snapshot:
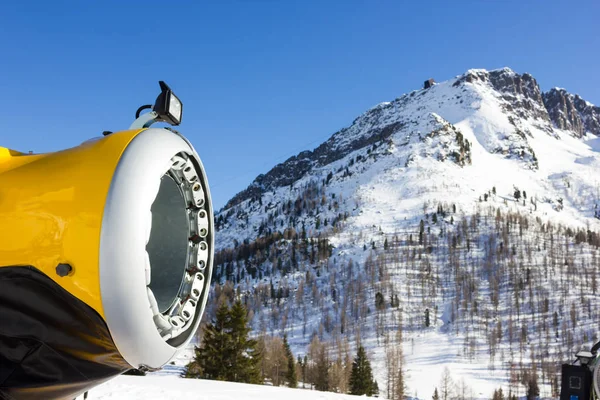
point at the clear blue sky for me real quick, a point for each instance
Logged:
(263, 80)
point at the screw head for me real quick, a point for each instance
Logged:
(63, 270)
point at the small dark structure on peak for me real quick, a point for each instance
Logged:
(428, 83)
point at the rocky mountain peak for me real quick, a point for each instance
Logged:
(571, 112)
(520, 91)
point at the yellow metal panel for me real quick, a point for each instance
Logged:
(51, 208)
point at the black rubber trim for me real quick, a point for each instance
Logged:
(52, 345)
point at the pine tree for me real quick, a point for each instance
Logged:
(290, 374)
(209, 358)
(304, 369)
(436, 395)
(375, 390)
(322, 370)
(379, 301)
(227, 353)
(244, 357)
(361, 377)
(533, 390)
(498, 395)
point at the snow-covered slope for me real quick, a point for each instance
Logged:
(476, 199)
(162, 388)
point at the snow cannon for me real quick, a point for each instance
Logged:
(106, 253)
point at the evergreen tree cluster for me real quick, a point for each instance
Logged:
(498, 395)
(227, 353)
(290, 375)
(361, 377)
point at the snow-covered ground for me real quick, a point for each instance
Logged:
(169, 387)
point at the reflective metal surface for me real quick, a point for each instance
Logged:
(168, 243)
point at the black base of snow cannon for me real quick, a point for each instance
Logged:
(52, 345)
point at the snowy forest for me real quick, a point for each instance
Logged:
(510, 289)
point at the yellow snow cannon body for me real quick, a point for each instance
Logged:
(106, 253)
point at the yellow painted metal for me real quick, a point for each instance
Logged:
(51, 208)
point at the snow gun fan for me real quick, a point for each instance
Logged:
(106, 253)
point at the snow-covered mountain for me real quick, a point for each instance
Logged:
(475, 201)
(503, 115)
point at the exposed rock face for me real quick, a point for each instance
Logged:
(590, 115)
(445, 142)
(521, 93)
(571, 112)
(562, 111)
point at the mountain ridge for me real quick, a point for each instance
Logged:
(522, 96)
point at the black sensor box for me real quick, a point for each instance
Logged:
(576, 382)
